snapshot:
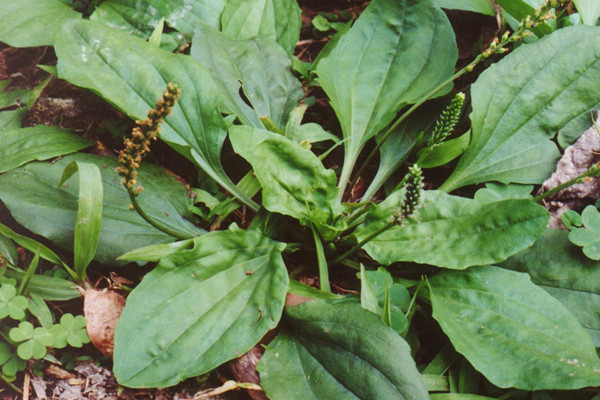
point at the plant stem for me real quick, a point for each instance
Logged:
(13, 387)
(591, 172)
(360, 244)
(149, 220)
(322, 262)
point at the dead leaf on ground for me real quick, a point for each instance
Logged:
(102, 309)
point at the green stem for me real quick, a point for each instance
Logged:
(360, 244)
(322, 261)
(13, 387)
(149, 220)
(590, 172)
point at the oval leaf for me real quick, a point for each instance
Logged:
(136, 16)
(131, 74)
(558, 266)
(520, 102)
(29, 23)
(271, 19)
(396, 52)
(293, 179)
(455, 232)
(258, 67)
(338, 351)
(512, 331)
(200, 308)
(19, 146)
(36, 202)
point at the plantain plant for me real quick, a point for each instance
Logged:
(457, 293)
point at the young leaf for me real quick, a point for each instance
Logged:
(155, 252)
(29, 23)
(338, 351)
(219, 299)
(447, 151)
(520, 102)
(120, 67)
(277, 20)
(293, 179)
(588, 237)
(395, 53)
(368, 298)
(89, 213)
(10, 361)
(512, 331)
(36, 202)
(454, 232)
(40, 310)
(558, 266)
(19, 146)
(256, 67)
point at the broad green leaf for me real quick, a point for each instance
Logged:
(520, 102)
(36, 202)
(458, 396)
(132, 75)
(47, 287)
(496, 192)
(256, 67)
(589, 11)
(332, 350)
(512, 331)
(293, 179)
(478, 6)
(21, 145)
(29, 23)
(558, 267)
(395, 54)
(278, 20)
(89, 213)
(218, 299)
(454, 232)
(143, 16)
(589, 236)
(311, 132)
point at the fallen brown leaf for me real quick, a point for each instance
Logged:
(102, 309)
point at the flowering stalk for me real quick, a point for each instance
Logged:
(444, 125)
(413, 197)
(138, 145)
(498, 46)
